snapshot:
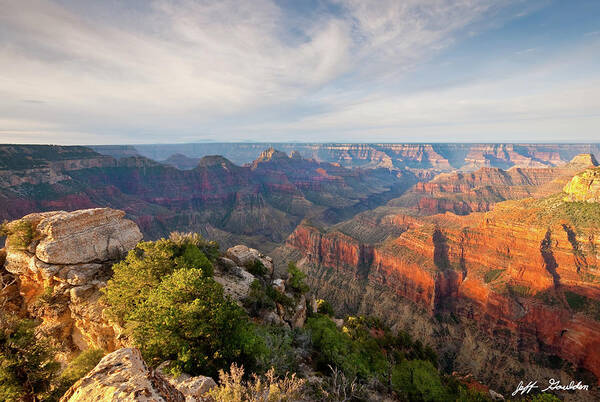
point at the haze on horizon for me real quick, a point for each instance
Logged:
(168, 71)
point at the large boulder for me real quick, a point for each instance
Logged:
(61, 260)
(123, 376)
(245, 257)
(192, 388)
(86, 235)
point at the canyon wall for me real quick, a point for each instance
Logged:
(521, 283)
(437, 156)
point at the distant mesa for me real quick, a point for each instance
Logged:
(214, 160)
(181, 161)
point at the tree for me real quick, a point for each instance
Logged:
(296, 279)
(143, 269)
(188, 320)
(27, 370)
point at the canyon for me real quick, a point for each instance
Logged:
(488, 252)
(259, 204)
(434, 156)
(523, 278)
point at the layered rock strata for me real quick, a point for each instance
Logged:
(60, 261)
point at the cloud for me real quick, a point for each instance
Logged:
(169, 69)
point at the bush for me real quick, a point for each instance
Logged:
(78, 368)
(144, 268)
(232, 387)
(188, 320)
(296, 279)
(257, 268)
(324, 307)
(27, 370)
(418, 380)
(209, 248)
(18, 233)
(257, 298)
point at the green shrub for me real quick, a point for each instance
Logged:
(492, 275)
(187, 319)
(27, 369)
(18, 233)
(324, 307)
(296, 279)
(279, 297)
(257, 298)
(418, 380)
(257, 268)
(144, 268)
(576, 301)
(78, 368)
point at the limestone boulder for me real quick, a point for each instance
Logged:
(86, 235)
(123, 376)
(245, 256)
(192, 388)
(236, 283)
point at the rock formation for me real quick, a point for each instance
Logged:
(258, 204)
(60, 261)
(525, 274)
(123, 376)
(478, 191)
(584, 187)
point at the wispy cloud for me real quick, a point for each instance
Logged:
(113, 72)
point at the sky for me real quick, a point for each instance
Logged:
(173, 71)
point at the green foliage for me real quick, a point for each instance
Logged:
(77, 368)
(554, 209)
(367, 350)
(18, 233)
(45, 298)
(492, 275)
(583, 304)
(27, 370)
(143, 269)
(296, 279)
(279, 297)
(257, 298)
(418, 380)
(187, 319)
(279, 352)
(336, 348)
(209, 248)
(576, 301)
(257, 268)
(518, 290)
(324, 307)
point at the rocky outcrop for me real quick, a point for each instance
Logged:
(192, 388)
(584, 187)
(124, 376)
(60, 261)
(246, 257)
(232, 273)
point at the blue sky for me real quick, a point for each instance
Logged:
(154, 71)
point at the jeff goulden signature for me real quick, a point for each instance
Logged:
(553, 385)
